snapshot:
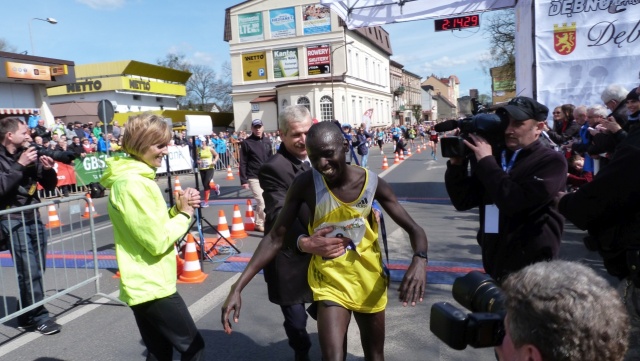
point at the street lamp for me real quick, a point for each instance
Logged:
(333, 102)
(49, 20)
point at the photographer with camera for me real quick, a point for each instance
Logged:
(514, 186)
(562, 310)
(22, 167)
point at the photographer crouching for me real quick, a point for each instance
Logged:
(22, 167)
(514, 184)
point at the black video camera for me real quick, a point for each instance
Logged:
(489, 126)
(65, 157)
(484, 327)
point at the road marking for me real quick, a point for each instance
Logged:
(28, 337)
(211, 300)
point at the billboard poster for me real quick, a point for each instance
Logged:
(285, 63)
(319, 59)
(250, 27)
(27, 71)
(254, 66)
(282, 23)
(316, 20)
(581, 49)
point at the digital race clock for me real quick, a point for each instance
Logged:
(461, 22)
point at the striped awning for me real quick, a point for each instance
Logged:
(18, 110)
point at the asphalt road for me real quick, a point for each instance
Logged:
(95, 328)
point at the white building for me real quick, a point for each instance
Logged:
(291, 52)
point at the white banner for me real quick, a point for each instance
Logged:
(179, 159)
(582, 46)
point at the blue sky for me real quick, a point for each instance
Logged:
(91, 31)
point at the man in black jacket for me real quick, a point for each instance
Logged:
(286, 275)
(609, 208)
(20, 170)
(254, 151)
(514, 190)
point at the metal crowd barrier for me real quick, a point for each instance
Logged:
(66, 239)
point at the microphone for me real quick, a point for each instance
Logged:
(446, 126)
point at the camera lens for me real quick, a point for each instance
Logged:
(478, 292)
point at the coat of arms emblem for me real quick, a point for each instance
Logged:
(564, 38)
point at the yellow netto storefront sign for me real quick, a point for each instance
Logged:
(118, 83)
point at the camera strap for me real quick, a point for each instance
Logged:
(508, 166)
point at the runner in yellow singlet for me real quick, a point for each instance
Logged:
(346, 273)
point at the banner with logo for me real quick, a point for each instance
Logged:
(319, 59)
(282, 22)
(582, 47)
(250, 27)
(316, 19)
(285, 63)
(254, 66)
(66, 174)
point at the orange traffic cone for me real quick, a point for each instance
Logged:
(409, 153)
(424, 146)
(249, 218)
(396, 160)
(179, 261)
(385, 165)
(191, 272)
(418, 150)
(237, 227)
(177, 187)
(223, 227)
(87, 214)
(229, 173)
(54, 221)
(401, 156)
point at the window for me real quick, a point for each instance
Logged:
(304, 101)
(285, 103)
(326, 108)
(136, 97)
(159, 99)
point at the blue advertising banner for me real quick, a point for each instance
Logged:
(316, 20)
(283, 23)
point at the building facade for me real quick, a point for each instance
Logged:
(24, 80)
(292, 52)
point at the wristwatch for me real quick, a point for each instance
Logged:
(421, 255)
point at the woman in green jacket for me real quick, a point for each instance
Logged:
(145, 232)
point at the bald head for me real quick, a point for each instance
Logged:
(324, 133)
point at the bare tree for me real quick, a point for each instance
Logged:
(222, 91)
(500, 28)
(175, 61)
(202, 85)
(5, 46)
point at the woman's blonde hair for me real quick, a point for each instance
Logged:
(144, 130)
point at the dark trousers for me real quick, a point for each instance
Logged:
(28, 245)
(295, 325)
(166, 324)
(206, 175)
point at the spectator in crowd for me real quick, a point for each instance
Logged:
(221, 148)
(562, 310)
(613, 97)
(86, 146)
(115, 130)
(362, 147)
(97, 130)
(76, 148)
(582, 140)
(21, 169)
(513, 189)
(38, 140)
(86, 133)
(254, 151)
(564, 125)
(53, 143)
(353, 282)
(58, 128)
(103, 144)
(577, 176)
(77, 128)
(114, 144)
(144, 234)
(41, 131)
(70, 133)
(609, 209)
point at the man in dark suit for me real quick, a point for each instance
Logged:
(286, 275)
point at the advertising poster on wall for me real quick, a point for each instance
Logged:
(285, 63)
(580, 50)
(283, 23)
(316, 20)
(250, 27)
(254, 66)
(319, 59)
